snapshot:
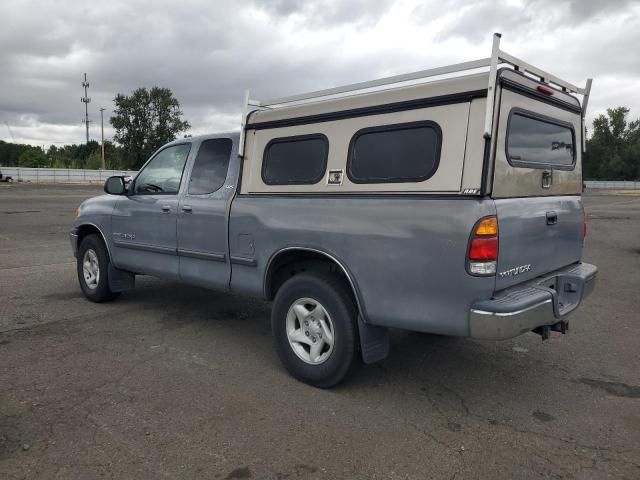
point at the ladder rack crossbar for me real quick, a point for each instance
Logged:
(503, 58)
(432, 72)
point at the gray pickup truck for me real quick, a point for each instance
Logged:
(449, 206)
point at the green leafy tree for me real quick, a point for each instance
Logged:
(144, 121)
(10, 152)
(613, 151)
(94, 161)
(33, 157)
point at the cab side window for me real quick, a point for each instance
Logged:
(163, 174)
(210, 168)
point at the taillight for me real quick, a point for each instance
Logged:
(483, 247)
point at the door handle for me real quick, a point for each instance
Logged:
(166, 208)
(187, 208)
(552, 218)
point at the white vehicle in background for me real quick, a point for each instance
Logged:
(5, 178)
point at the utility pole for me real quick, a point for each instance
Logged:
(86, 100)
(102, 109)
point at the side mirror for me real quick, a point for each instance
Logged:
(115, 186)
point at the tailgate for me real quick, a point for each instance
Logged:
(537, 235)
(537, 180)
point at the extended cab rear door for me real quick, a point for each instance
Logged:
(203, 213)
(537, 180)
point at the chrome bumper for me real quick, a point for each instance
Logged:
(543, 301)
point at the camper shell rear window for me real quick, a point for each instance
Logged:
(537, 141)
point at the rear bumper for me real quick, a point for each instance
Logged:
(543, 301)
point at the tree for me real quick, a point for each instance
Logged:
(9, 153)
(32, 157)
(613, 151)
(144, 121)
(94, 161)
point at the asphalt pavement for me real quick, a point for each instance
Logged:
(173, 381)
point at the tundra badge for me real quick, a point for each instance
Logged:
(512, 272)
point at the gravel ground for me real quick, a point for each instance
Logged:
(172, 381)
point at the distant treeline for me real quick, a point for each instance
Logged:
(68, 156)
(613, 149)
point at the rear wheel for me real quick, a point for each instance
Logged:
(93, 266)
(313, 321)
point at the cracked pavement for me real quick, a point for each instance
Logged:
(173, 381)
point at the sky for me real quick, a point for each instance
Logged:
(208, 52)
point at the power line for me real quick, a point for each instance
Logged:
(86, 100)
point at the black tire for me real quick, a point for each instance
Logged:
(331, 292)
(101, 291)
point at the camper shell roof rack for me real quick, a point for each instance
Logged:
(498, 57)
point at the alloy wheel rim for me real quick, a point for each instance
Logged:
(310, 331)
(91, 269)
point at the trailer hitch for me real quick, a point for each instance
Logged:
(545, 330)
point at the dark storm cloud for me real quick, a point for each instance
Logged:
(209, 52)
(480, 16)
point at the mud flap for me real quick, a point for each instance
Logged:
(374, 342)
(120, 280)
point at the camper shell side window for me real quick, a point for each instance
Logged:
(405, 152)
(296, 160)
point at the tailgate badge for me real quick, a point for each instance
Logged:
(512, 272)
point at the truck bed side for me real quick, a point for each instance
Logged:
(406, 255)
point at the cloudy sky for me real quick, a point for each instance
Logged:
(208, 52)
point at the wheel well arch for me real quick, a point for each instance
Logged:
(290, 261)
(89, 229)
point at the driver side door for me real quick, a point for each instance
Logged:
(143, 224)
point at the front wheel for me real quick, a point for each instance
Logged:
(313, 322)
(93, 268)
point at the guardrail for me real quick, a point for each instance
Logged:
(61, 175)
(612, 185)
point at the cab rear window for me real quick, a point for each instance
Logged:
(539, 142)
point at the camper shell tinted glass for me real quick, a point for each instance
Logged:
(407, 152)
(298, 160)
(536, 141)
